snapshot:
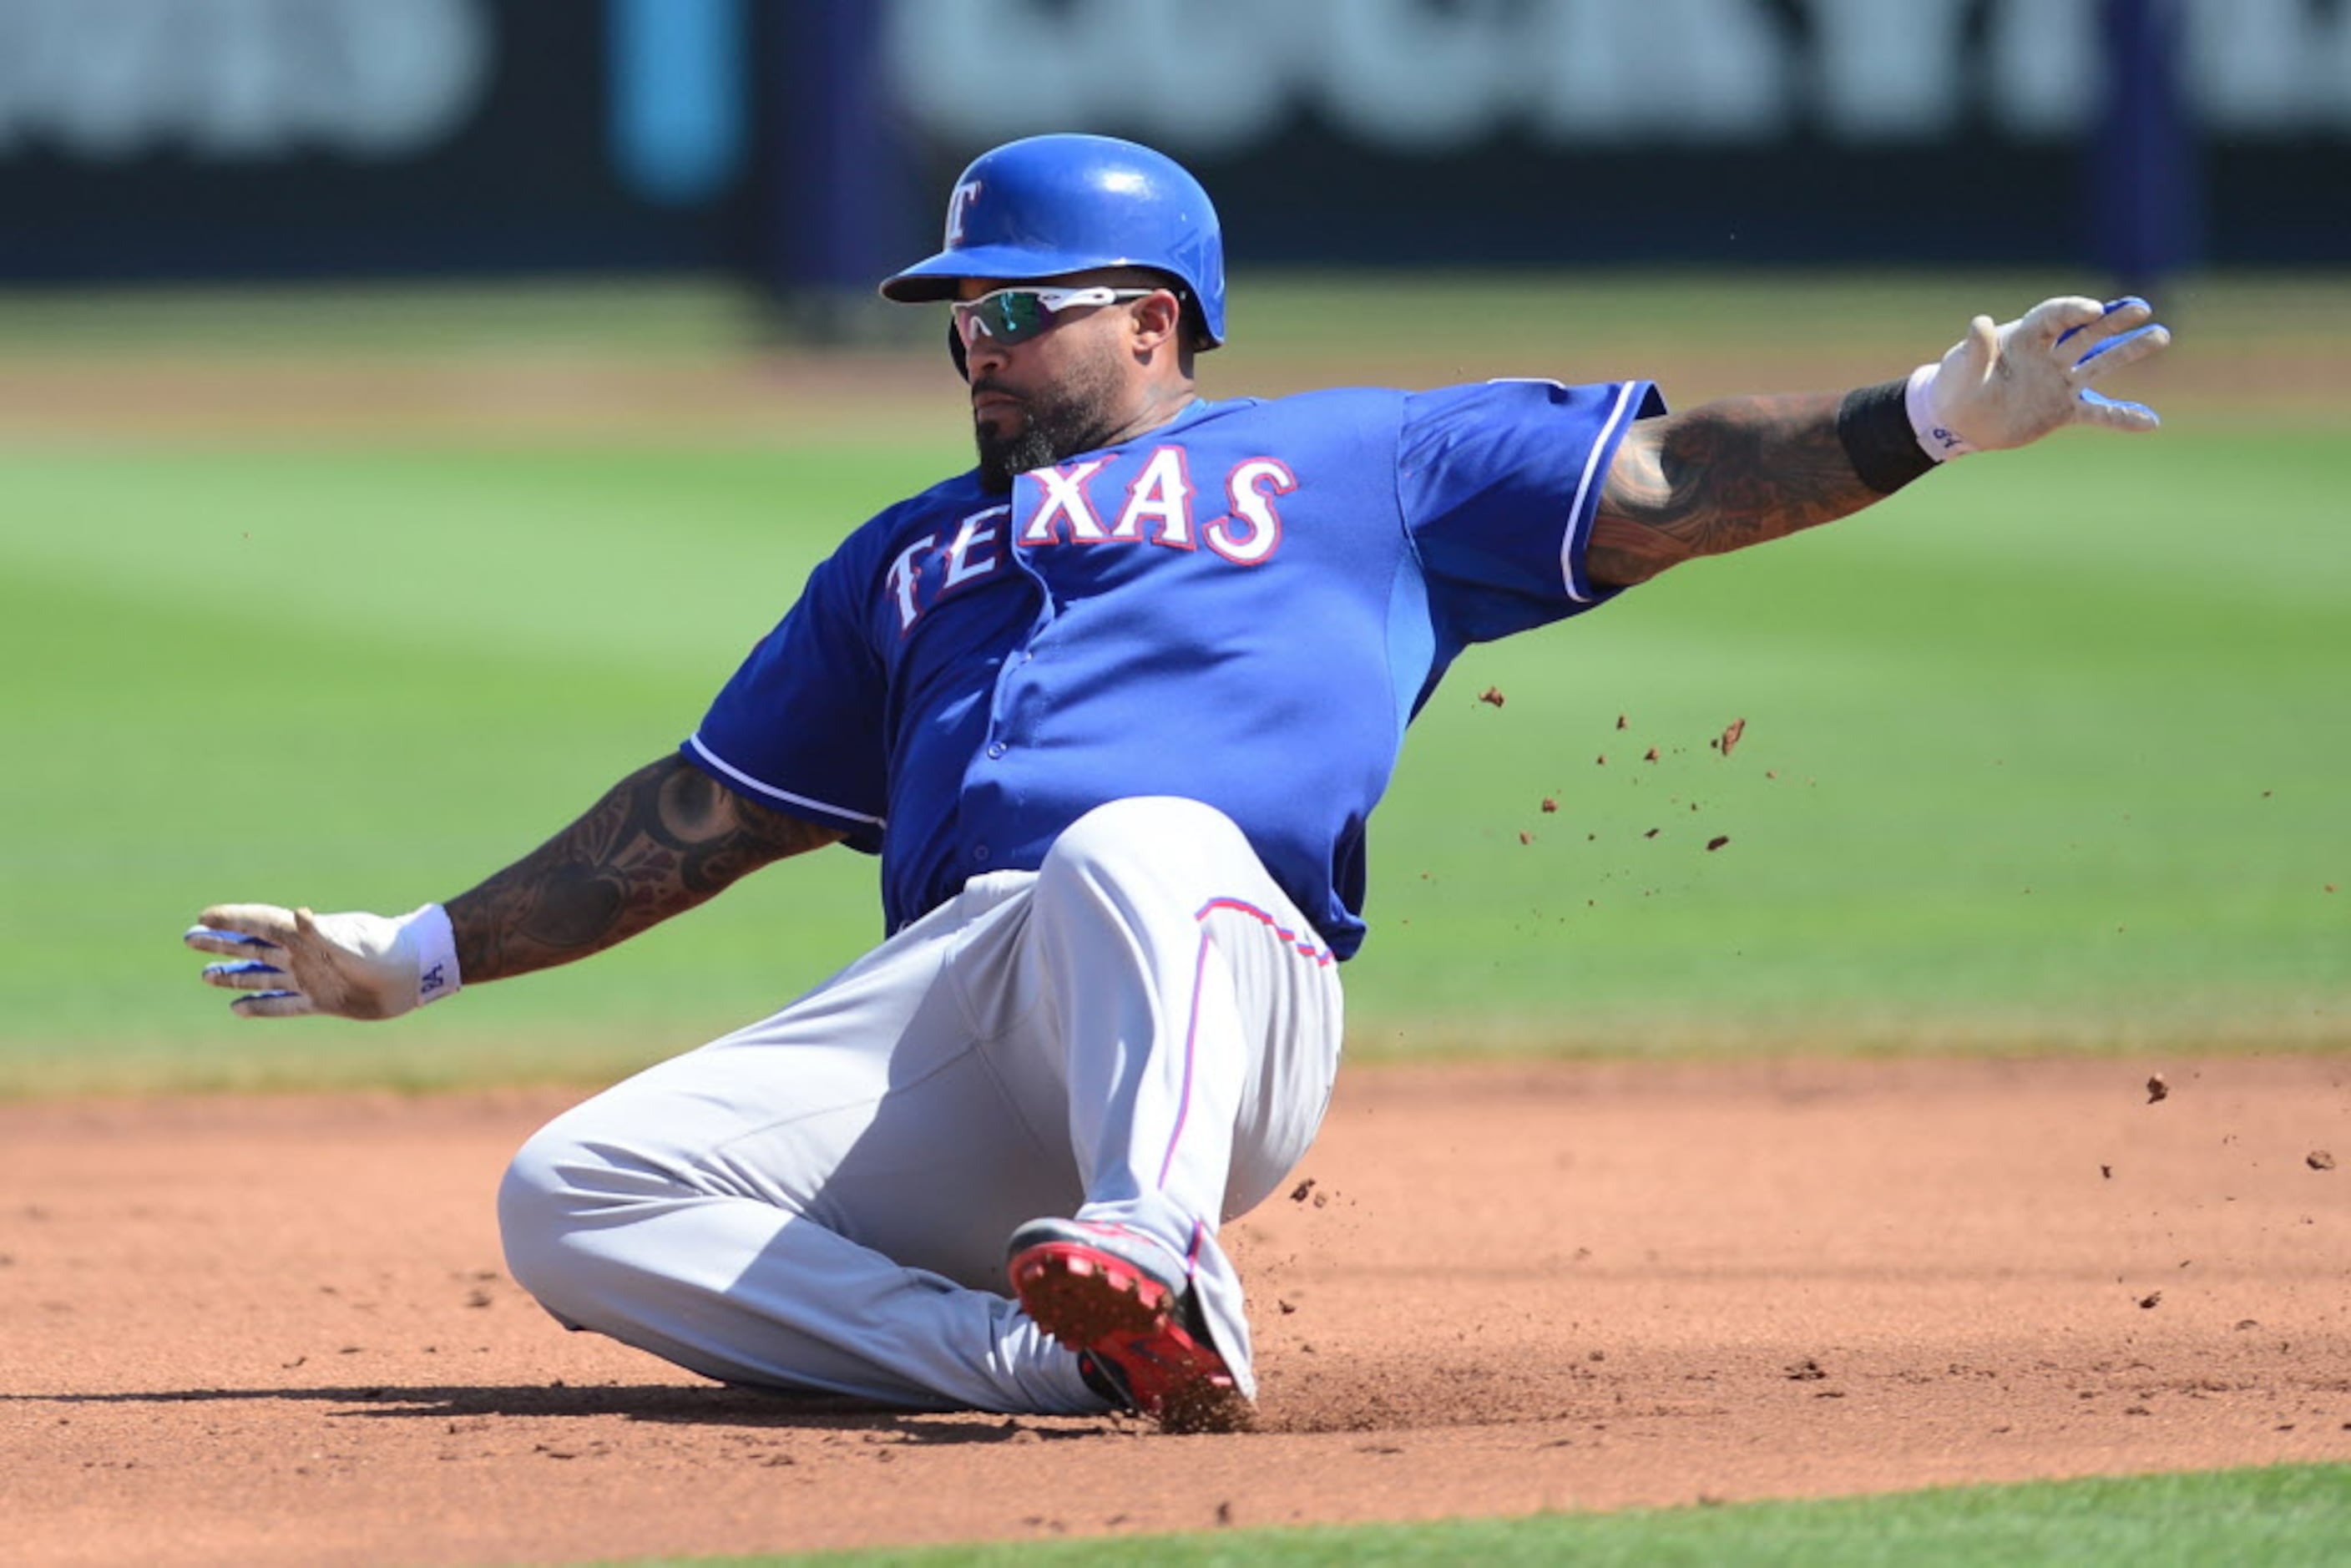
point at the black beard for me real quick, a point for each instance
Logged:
(1052, 428)
(1001, 457)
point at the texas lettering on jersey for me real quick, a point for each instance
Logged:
(1084, 503)
(970, 673)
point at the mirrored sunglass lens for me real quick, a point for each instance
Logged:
(1014, 316)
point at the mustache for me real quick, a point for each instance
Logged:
(986, 385)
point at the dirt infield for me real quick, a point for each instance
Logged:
(278, 1331)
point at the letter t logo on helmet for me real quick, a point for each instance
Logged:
(1047, 206)
(965, 192)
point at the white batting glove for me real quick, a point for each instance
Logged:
(294, 962)
(2006, 386)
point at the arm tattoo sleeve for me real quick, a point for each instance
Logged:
(1720, 478)
(661, 841)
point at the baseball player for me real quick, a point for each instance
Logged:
(1113, 708)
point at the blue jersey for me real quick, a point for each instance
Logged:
(1245, 606)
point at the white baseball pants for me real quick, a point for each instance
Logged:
(1143, 1030)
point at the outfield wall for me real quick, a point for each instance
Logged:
(810, 138)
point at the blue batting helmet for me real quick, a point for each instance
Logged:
(1045, 205)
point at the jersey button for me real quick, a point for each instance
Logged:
(996, 748)
(979, 854)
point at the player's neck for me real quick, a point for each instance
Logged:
(1158, 403)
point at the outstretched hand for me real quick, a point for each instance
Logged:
(2010, 385)
(291, 963)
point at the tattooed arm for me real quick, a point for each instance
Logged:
(1720, 478)
(663, 840)
(1735, 473)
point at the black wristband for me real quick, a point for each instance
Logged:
(1873, 423)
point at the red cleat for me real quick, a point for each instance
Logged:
(1139, 1335)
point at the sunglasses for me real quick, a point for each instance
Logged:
(1016, 314)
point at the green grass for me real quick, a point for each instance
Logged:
(2054, 764)
(2057, 738)
(2273, 1517)
(470, 321)
(366, 679)
(1766, 312)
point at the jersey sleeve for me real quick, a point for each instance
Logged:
(800, 726)
(1499, 483)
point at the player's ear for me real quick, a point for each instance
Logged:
(1155, 321)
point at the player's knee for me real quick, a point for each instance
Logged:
(1145, 832)
(542, 1212)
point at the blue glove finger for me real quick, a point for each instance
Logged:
(2117, 342)
(239, 937)
(2111, 306)
(2105, 402)
(243, 967)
